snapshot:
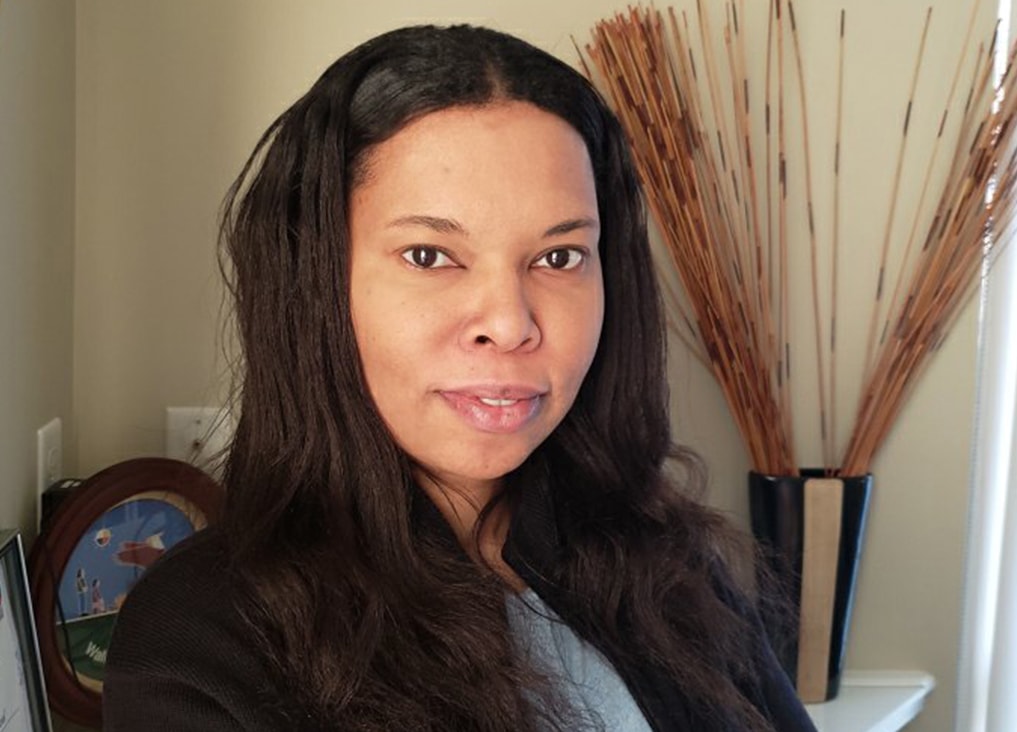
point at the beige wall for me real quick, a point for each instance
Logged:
(172, 96)
(36, 238)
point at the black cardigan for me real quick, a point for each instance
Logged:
(182, 660)
(534, 541)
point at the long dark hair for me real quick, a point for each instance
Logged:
(372, 619)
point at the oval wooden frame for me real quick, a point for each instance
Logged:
(120, 483)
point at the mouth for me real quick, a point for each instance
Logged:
(498, 402)
(501, 411)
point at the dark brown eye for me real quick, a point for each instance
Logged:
(561, 259)
(426, 257)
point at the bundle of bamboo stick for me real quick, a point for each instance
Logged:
(718, 193)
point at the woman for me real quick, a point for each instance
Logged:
(447, 500)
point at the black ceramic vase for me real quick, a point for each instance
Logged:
(811, 527)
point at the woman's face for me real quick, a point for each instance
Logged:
(476, 289)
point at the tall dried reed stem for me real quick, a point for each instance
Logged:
(696, 179)
(973, 219)
(693, 130)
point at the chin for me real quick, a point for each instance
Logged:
(484, 471)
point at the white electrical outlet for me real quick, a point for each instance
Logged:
(49, 460)
(198, 435)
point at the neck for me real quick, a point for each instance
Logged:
(461, 505)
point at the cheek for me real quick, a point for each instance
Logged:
(593, 311)
(375, 319)
(580, 328)
(380, 336)
(593, 334)
(396, 337)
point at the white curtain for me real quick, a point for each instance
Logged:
(987, 671)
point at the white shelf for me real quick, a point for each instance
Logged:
(873, 701)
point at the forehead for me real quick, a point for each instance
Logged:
(501, 124)
(502, 167)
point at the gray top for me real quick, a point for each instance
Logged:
(588, 681)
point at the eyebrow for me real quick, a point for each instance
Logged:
(435, 223)
(567, 227)
(451, 226)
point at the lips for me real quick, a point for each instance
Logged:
(494, 409)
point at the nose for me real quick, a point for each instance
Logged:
(502, 317)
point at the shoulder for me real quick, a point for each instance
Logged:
(182, 654)
(771, 690)
(183, 592)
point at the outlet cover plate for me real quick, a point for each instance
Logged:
(49, 460)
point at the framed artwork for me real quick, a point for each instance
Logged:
(99, 543)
